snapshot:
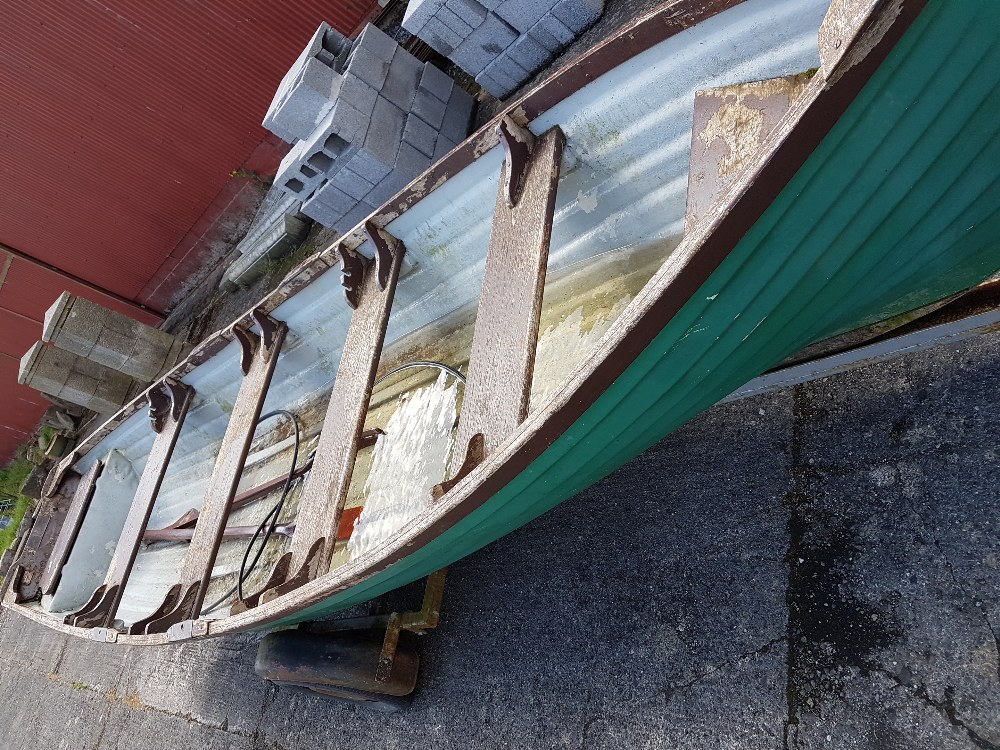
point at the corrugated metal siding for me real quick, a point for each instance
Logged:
(122, 123)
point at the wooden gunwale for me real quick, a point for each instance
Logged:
(807, 122)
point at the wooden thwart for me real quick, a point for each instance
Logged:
(260, 356)
(168, 406)
(70, 528)
(325, 493)
(498, 385)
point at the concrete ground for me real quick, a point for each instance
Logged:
(816, 568)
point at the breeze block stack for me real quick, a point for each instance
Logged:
(363, 127)
(500, 42)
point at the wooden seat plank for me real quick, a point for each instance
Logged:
(260, 356)
(168, 408)
(498, 384)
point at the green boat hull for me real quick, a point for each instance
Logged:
(896, 208)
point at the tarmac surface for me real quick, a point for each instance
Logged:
(815, 568)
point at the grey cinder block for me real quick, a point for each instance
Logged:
(111, 339)
(443, 146)
(484, 45)
(76, 379)
(308, 101)
(552, 33)
(369, 67)
(353, 217)
(348, 122)
(321, 212)
(523, 14)
(411, 161)
(429, 108)
(358, 94)
(384, 135)
(496, 79)
(350, 183)
(404, 76)
(470, 11)
(419, 134)
(376, 41)
(333, 198)
(391, 184)
(441, 36)
(457, 115)
(578, 15)
(451, 19)
(528, 53)
(418, 13)
(436, 81)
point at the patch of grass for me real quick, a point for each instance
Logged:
(11, 480)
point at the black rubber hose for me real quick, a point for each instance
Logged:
(266, 526)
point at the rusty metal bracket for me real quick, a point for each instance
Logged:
(269, 328)
(420, 622)
(518, 143)
(386, 246)
(352, 273)
(159, 407)
(248, 342)
(475, 454)
(279, 585)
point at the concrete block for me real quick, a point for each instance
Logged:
(391, 184)
(441, 36)
(458, 115)
(314, 45)
(411, 161)
(452, 20)
(321, 212)
(470, 11)
(353, 217)
(73, 378)
(350, 183)
(348, 122)
(401, 84)
(111, 339)
(528, 53)
(523, 14)
(376, 41)
(429, 108)
(495, 79)
(419, 134)
(382, 140)
(308, 101)
(504, 75)
(369, 67)
(358, 94)
(436, 81)
(333, 198)
(578, 15)
(484, 45)
(551, 33)
(443, 146)
(418, 13)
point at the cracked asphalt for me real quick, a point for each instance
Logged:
(815, 568)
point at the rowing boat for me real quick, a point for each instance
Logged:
(712, 189)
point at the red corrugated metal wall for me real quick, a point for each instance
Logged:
(123, 121)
